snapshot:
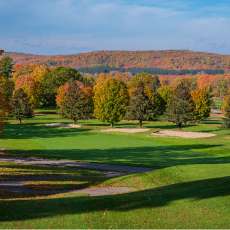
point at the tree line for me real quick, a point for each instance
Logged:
(134, 70)
(109, 97)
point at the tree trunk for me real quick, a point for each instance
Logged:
(140, 124)
(20, 121)
(179, 125)
(112, 124)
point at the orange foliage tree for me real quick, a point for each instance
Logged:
(75, 100)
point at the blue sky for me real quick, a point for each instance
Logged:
(73, 26)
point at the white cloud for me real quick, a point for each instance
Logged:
(67, 26)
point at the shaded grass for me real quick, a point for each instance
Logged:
(188, 187)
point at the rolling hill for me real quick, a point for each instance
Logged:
(169, 60)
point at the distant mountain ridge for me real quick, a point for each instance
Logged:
(167, 59)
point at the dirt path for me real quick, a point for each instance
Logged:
(75, 164)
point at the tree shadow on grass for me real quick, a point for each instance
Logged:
(26, 181)
(150, 198)
(24, 131)
(154, 157)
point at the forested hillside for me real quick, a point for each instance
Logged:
(169, 60)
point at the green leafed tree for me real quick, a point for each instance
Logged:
(138, 105)
(110, 100)
(21, 106)
(180, 108)
(6, 88)
(6, 66)
(2, 111)
(53, 80)
(145, 101)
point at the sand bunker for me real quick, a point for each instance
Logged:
(126, 130)
(54, 125)
(193, 135)
(61, 125)
(72, 126)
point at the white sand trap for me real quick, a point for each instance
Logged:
(54, 125)
(193, 135)
(61, 125)
(126, 130)
(72, 126)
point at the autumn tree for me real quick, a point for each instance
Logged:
(30, 78)
(180, 109)
(202, 100)
(226, 110)
(54, 79)
(226, 106)
(75, 100)
(21, 105)
(110, 100)
(165, 92)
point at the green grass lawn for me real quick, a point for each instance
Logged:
(188, 187)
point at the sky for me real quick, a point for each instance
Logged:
(73, 26)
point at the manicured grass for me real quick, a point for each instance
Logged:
(189, 186)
